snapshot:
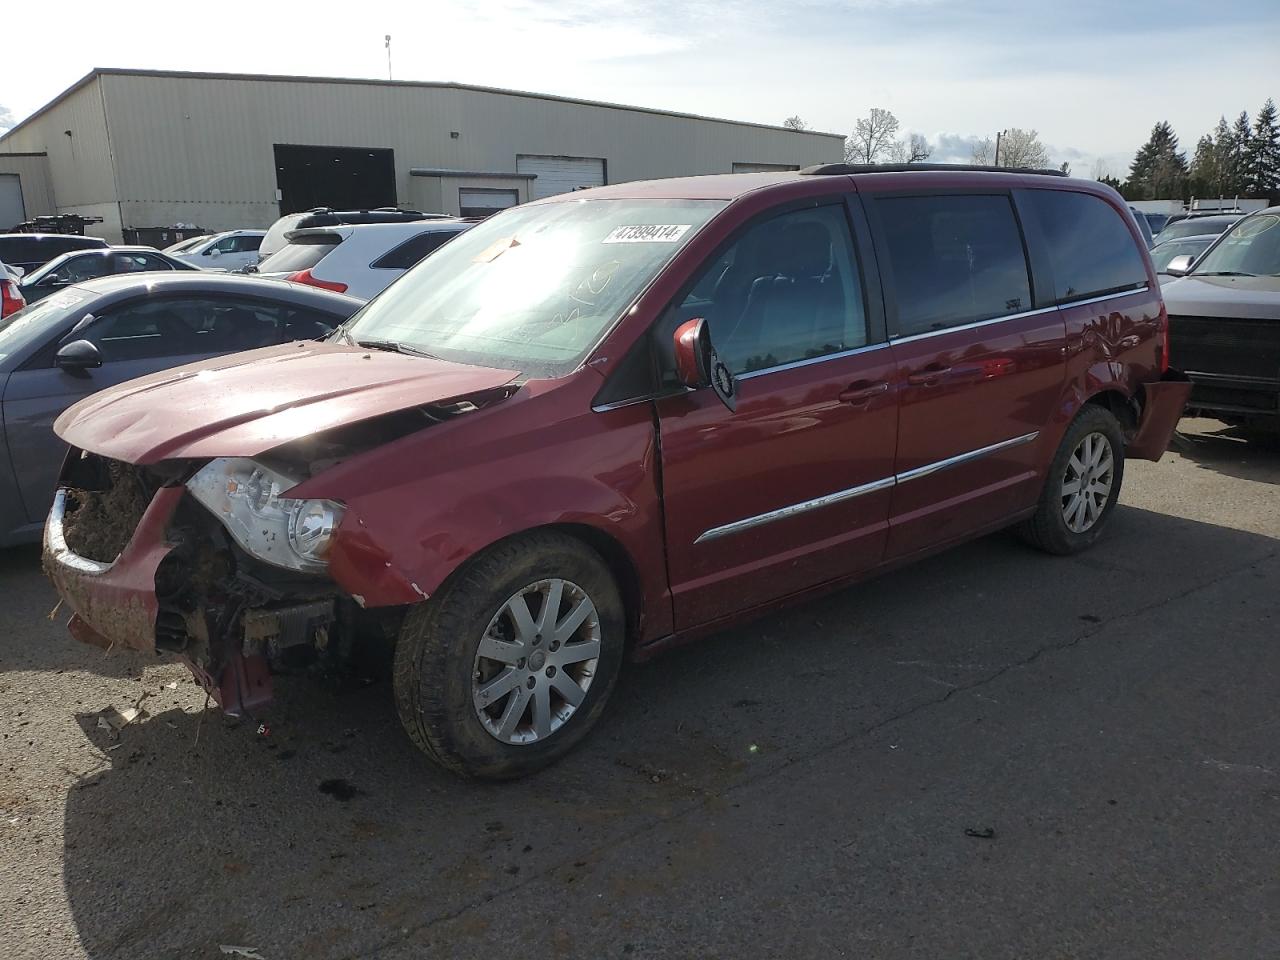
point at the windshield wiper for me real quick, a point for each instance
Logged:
(1225, 273)
(391, 346)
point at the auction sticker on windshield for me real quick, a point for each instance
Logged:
(648, 233)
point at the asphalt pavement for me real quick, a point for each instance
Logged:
(990, 754)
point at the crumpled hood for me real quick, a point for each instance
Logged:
(1248, 298)
(243, 404)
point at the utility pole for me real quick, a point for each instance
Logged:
(388, 45)
(999, 134)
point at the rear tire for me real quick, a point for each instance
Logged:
(1082, 485)
(485, 677)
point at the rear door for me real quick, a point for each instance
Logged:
(793, 488)
(980, 356)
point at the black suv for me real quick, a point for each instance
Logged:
(31, 250)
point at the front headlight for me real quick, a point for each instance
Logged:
(245, 496)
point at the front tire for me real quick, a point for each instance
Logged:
(511, 663)
(1082, 486)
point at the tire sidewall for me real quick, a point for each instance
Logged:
(446, 660)
(1092, 419)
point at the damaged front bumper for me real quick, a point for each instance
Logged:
(169, 590)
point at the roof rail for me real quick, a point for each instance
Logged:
(831, 169)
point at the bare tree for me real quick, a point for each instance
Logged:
(1101, 170)
(873, 137)
(795, 123)
(914, 149)
(6, 118)
(1018, 148)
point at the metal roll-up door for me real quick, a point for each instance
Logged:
(12, 212)
(485, 201)
(560, 174)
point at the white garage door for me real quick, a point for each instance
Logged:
(484, 201)
(560, 174)
(12, 212)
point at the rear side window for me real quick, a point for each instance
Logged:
(412, 250)
(1090, 247)
(954, 259)
(301, 254)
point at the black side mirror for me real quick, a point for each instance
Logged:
(78, 356)
(698, 365)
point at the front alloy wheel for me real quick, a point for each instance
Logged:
(536, 661)
(511, 662)
(1086, 485)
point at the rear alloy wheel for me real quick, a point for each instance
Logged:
(1082, 485)
(510, 664)
(1086, 485)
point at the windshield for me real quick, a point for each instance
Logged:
(1164, 253)
(1252, 247)
(1196, 227)
(17, 330)
(534, 288)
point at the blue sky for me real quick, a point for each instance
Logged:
(1092, 77)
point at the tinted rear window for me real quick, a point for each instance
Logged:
(302, 254)
(1091, 249)
(955, 260)
(412, 250)
(40, 249)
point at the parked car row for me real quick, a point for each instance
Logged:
(601, 424)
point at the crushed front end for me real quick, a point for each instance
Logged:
(204, 560)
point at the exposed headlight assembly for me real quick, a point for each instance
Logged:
(245, 496)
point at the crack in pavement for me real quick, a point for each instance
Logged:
(808, 756)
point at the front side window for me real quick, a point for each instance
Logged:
(786, 290)
(1091, 250)
(954, 260)
(139, 263)
(1251, 247)
(245, 244)
(534, 288)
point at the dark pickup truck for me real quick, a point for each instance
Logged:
(1224, 324)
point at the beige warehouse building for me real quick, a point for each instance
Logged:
(152, 148)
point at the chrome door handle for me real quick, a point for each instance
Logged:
(862, 392)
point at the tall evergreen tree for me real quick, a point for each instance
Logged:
(1240, 136)
(1204, 176)
(1159, 171)
(1262, 153)
(1223, 160)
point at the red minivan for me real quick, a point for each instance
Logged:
(610, 421)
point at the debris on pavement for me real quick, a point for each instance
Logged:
(982, 833)
(234, 951)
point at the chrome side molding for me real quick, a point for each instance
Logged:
(794, 509)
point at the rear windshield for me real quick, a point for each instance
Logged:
(40, 249)
(300, 254)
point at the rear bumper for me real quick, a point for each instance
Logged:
(1237, 395)
(114, 603)
(1162, 407)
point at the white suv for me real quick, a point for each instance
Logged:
(225, 251)
(358, 259)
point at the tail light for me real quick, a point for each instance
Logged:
(1164, 338)
(305, 276)
(11, 298)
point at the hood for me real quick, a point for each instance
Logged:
(1246, 298)
(246, 403)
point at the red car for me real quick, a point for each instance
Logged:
(608, 422)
